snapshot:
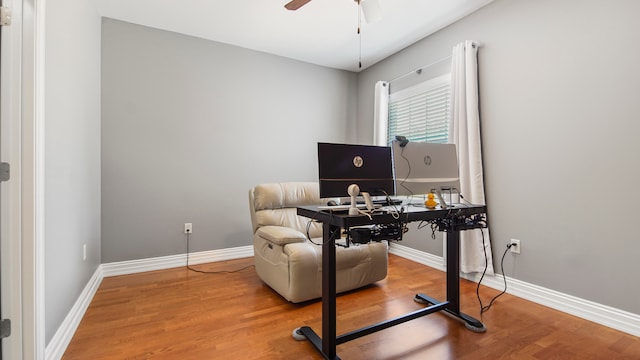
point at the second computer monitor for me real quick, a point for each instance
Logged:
(421, 168)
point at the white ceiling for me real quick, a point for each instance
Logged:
(322, 32)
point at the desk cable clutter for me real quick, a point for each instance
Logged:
(377, 232)
(455, 219)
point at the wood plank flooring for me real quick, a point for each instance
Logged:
(181, 314)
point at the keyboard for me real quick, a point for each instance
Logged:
(344, 207)
(382, 202)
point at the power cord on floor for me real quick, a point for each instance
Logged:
(486, 308)
(211, 272)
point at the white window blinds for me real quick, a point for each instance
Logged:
(421, 112)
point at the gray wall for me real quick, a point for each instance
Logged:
(559, 107)
(189, 126)
(72, 155)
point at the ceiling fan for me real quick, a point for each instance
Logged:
(370, 8)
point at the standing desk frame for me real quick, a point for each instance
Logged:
(333, 222)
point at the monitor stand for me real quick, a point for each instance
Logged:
(443, 203)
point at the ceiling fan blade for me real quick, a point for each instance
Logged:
(295, 4)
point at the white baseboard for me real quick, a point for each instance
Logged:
(61, 339)
(589, 310)
(436, 262)
(167, 262)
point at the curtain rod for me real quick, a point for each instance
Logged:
(418, 71)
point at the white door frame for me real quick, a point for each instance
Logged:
(22, 144)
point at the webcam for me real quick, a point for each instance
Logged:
(403, 140)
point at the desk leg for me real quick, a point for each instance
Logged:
(453, 271)
(329, 290)
(453, 283)
(327, 344)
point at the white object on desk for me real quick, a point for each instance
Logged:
(353, 191)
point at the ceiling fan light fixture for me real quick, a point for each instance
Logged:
(371, 10)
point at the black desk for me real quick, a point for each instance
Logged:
(332, 223)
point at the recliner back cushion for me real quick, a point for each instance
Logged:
(275, 204)
(282, 195)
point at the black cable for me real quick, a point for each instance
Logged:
(422, 224)
(486, 308)
(434, 228)
(309, 226)
(408, 174)
(465, 200)
(211, 272)
(395, 213)
(332, 237)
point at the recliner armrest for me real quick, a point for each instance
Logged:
(280, 235)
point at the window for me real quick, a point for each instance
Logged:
(421, 112)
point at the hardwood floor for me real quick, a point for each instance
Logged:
(181, 314)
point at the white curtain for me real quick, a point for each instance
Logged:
(381, 113)
(464, 131)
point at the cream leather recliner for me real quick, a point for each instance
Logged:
(291, 264)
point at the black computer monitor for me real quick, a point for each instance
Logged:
(368, 166)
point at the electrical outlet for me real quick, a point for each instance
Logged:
(515, 246)
(188, 228)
